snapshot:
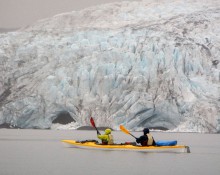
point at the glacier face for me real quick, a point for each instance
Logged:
(140, 64)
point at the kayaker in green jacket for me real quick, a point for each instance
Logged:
(107, 138)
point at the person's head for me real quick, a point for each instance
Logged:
(108, 131)
(146, 131)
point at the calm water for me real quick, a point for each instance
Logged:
(40, 152)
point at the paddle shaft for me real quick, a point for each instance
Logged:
(96, 129)
(93, 124)
(132, 135)
(126, 131)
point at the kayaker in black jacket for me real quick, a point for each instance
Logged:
(146, 139)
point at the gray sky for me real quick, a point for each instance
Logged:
(20, 13)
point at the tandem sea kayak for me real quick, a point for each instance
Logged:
(127, 147)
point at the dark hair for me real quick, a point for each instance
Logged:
(146, 130)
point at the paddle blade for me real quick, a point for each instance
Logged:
(124, 129)
(92, 122)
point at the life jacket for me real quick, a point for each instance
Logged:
(110, 139)
(148, 142)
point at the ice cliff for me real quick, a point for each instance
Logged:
(142, 64)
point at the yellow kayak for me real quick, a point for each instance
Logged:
(127, 147)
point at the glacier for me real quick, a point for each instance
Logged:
(138, 63)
